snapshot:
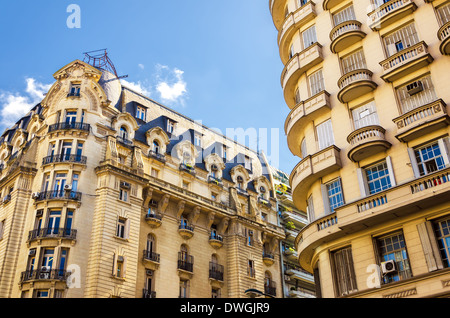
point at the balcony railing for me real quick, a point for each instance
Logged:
(389, 12)
(185, 262)
(44, 233)
(44, 274)
(59, 195)
(405, 62)
(444, 37)
(216, 271)
(124, 141)
(151, 256)
(355, 84)
(345, 34)
(215, 181)
(148, 293)
(188, 168)
(69, 126)
(270, 289)
(264, 202)
(64, 158)
(158, 156)
(367, 141)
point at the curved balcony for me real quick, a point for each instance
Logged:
(330, 4)
(69, 126)
(390, 12)
(421, 121)
(151, 259)
(294, 21)
(52, 233)
(268, 259)
(186, 231)
(215, 240)
(277, 9)
(296, 67)
(311, 169)
(444, 37)
(405, 62)
(345, 34)
(304, 112)
(153, 219)
(355, 84)
(367, 141)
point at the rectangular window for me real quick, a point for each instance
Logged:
(400, 39)
(75, 90)
(425, 95)
(392, 248)
(309, 37)
(121, 225)
(316, 83)
(249, 237)
(247, 163)
(123, 195)
(335, 196)
(378, 178)
(429, 159)
(184, 289)
(325, 135)
(140, 112)
(442, 233)
(251, 268)
(170, 126)
(2, 228)
(444, 13)
(354, 61)
(344, 273)
(71, 117)
(344, 15)
(365, 115)
(197, 140)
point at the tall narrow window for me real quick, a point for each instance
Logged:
(365, 115)
(71, 117)
(401, 39)
(442, 233)
(423, 94)
(443, 13)
(344, 15)
(251, 268)
(353, 61)
(310, 209)
(123, 133)
(335, 195)
(140, 112)
(309, 37)
(344, 273)
(316, 83)
(325, 135)
(378, 178)
(121, 226)
(429, 158)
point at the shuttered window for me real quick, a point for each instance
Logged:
(365, 115)
(401, 39)
(354, 61)
(410, 101)
(346, 14)
(442, 233)
(316, 83)
(345, 279)
(444, 13)
(325, 134)
(309, 37)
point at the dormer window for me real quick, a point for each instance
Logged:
(197, 140)
(170, 126)
(75, 90)
(240, 182)
(248, 163)
(156, 147)
(262, 192)
(123, 133)
(140, 112)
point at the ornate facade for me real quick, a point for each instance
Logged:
(366, 83)
(107, 193)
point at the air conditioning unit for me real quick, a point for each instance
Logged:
(414, 88)
(7, 198)
(125, 185)
(388, 267)
(44, 275)
(35, 195)
(68, 187)
(45, 269)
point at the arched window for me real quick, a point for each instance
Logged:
(240, 182)
(184, 253)
(262, 192)
(156, 147)
(151, 244)
(267, 279)
(123, 133)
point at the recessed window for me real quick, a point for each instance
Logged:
(198, 140)
(442, 233)
(429, 159)
(140, 112)
(123, 194)
(170, 126)
(335, 195)
(75, 90)
(378, 178)
(309, 37)
(325, 135)
(121, 227)
(344, 272)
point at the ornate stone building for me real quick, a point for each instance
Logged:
(107, 193)
(366, 83)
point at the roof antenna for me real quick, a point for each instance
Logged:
(100, 60)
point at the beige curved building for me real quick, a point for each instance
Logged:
(107, 193)
(367, 85)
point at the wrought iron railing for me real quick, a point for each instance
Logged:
(68, 126)
(59, 195)
(216, 271)
(64, 158)
(50, 232)
(185, 262)
(151, 256)
(44, 274)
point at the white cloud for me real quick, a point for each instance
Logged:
(137, 87)
(171, 86)
(13, 106)
(141, 66)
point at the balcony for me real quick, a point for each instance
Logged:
(264, 202)
(52, 233)
(300, 274)
(185, 265)
(124, 141)
(268, 259)
(306, 111)
(301, 293)
(58, 195)
(215, 240)
(185, 167)
(291, 25)
(64, 159)
(296, 67)
(311, 169)
(444, 37)
(355, 84)
(158, 156)
(216, 271)
(405, 62)
(153, 219)
(44, 274)
(148, 294)
(421, 121)
(270, 289)
(215, 181)
(151, 259)
(330, 4)
(186, 231)
(367, 141)
(69, 126)
(390, 12)
(277, 9)
(345, 34)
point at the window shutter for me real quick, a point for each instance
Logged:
(414, 166)
(391, 171)
(362, 182)
(444, 146)
(429, 246)
(326, 200)
(127, 229)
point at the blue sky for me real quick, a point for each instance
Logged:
(214, 61)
